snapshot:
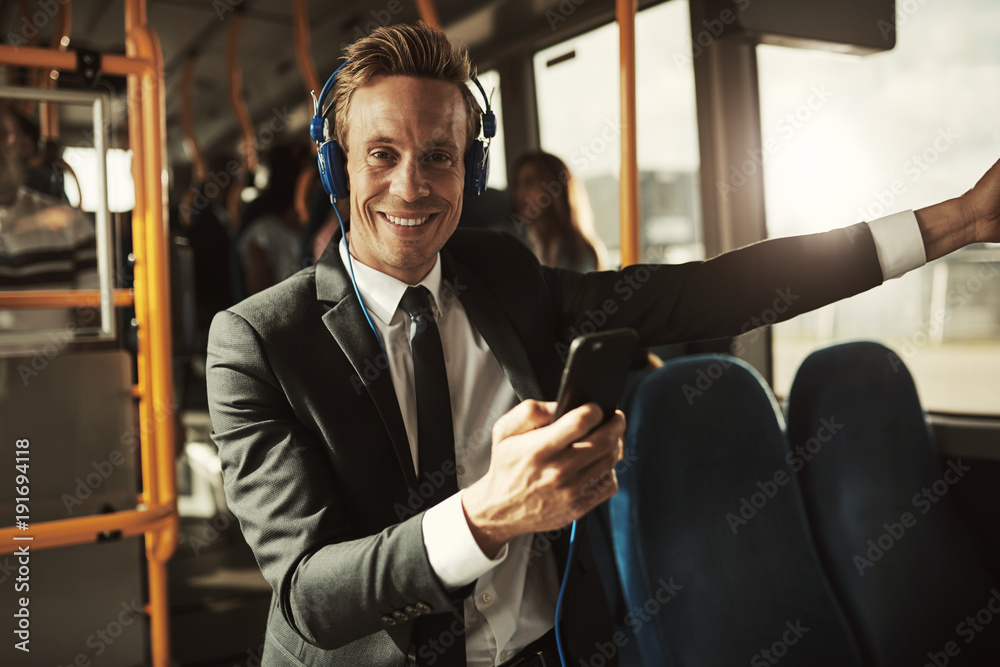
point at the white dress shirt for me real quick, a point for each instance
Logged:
(514, 601)
(515, 595)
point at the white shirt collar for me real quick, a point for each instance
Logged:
(381, 292)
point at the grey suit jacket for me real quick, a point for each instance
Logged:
(314, 452)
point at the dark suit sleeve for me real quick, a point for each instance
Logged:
(333, 586)
(731, 294)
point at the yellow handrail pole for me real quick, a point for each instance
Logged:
(157, 519)
(307, 66)
(48, 114)
(200, 172)
(32, 76)
(428, 13)
(187, 119)
(147, 133)
(629, 186)
(157, 246)
(250, 156)
(68, 298)
(85, 529)
(303, 47)
(27, 56)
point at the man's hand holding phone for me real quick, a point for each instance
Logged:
(553, 462)
(543, 474)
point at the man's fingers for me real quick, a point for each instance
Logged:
(604, 442)
(523, 417)
(572, 427)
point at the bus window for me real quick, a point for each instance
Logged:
(121, 190)
(498, 158)
(849, 139)
(576, 85)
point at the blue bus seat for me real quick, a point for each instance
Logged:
(904, 568)
(710, 534)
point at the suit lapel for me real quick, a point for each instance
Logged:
(346, 322)
(487, 315)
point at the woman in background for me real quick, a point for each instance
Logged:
(553, 206)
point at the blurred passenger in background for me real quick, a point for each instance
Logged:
(552, 207)
(207, 228)
(268, 245)
(44, 244)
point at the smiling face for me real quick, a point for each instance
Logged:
(406, 143)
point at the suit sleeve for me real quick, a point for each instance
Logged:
(767, 282)
(333, 586)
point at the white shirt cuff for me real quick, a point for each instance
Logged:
(451, 549)
(898, 242)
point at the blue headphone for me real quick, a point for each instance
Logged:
(332, 165)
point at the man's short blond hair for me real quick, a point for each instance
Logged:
(407, 50)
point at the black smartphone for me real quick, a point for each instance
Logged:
(595, 371)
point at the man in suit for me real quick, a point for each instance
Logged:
(315, 408)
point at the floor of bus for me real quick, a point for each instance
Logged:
(218, 598)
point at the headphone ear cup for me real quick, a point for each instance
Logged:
(332, 172)
(477, 170)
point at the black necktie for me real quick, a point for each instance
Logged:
(435, 440)
(434, 641)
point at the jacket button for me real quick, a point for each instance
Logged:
(423, 608)
(388, 620)
(412, 611)
(400, 616)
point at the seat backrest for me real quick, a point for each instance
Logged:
(709, 529)
(902, 565)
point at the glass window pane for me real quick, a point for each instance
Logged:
(850, 139)
(578, 107)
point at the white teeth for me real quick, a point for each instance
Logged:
(406, 222)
